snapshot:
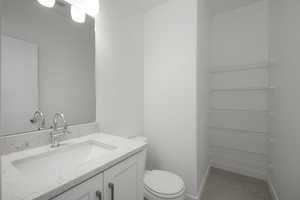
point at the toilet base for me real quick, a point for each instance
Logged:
(149, 196)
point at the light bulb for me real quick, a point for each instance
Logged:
(77, 14)
(92, 7)
(47, 3)
(89, 7)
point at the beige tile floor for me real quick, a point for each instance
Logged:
(223, 185)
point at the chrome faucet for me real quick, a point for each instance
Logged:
(58, 131)
(39, 117)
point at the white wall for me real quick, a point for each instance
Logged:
(172, 124)
(0, 93)
(147, 69)
(240, 36)
(65, 58)
(284, 142)
(119, 68)
(238, 118)
(203, 30)
(217, 6)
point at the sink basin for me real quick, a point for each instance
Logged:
(61, 161)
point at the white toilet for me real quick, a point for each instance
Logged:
(162, 185)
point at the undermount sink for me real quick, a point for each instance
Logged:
(62, 160)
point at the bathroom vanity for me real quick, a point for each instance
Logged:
(94, 167)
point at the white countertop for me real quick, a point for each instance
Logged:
(17, 186)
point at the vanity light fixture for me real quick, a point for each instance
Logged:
(89, 7)
(92, 8)
(78, 11)
(77, 14)
(47, 3)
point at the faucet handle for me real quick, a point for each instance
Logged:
(38, 117)
(65, 127)
(67, 131)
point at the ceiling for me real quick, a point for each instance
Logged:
(220, 6)
(216, 6)
(129, 7)
(147, 4)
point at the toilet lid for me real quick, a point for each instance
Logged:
(163, 182)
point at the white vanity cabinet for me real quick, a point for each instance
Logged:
(123, 181)
(91, 189)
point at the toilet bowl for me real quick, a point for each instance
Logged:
(159, 185)
(162, 185)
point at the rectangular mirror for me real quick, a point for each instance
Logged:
(48, 65)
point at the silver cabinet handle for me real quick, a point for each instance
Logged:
(99, 195)
(111, 186)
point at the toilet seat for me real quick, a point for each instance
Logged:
(162, 196)
(163, 184)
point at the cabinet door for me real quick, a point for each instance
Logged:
(91, 189)
(125, 180)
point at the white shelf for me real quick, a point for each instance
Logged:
(241, 89)
(237, 149)
(238, 130)
(225, 69)
(238, 110)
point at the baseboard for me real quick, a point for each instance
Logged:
(201, 188)
(241, 171)
(203, 182)
(272, 189)
(190, 197)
